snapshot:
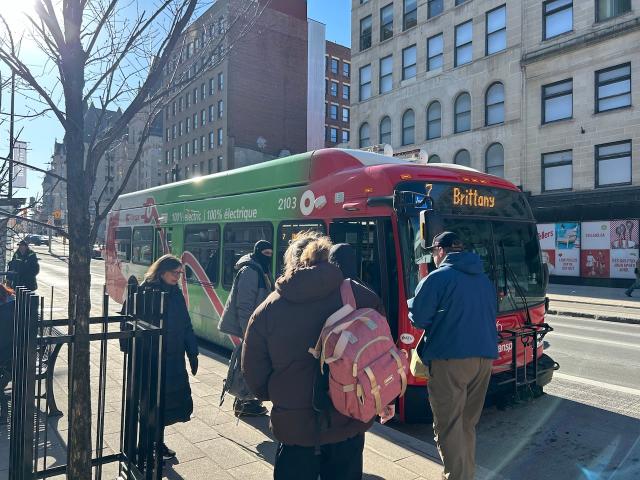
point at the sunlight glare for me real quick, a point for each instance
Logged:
(14, 12)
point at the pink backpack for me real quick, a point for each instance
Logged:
(366, 369)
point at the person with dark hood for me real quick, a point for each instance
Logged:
(251, 285)
(343, 256)
(24, 267)
(178, 340)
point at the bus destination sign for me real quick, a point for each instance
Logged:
(470, 197)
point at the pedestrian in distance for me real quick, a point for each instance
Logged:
(636, 282)
(24, 267)
(278, 366)
(178, 339)
(456, 307)
(251, 286)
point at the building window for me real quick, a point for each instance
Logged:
(187, 124)
(220, 108)
(334, 89)
(195, 96)
(433, 159)
(346, 69)
(464, 45)
(410, 14)
(221, 81)
(364, 136)
(168, 131)
(557, 171)
(187, 147)
(462, 113)
(195, 146)
(613, 164)
(463, 157)
(557, 101)
(434, 7)
(203, 140)
(211, 113)
(173, 131)
(333, 112)
(335, 66)
(557, 18)
(346, 92)
(345, 114)
(212, 140)
(434, 121)
(408, 128)
(187, 99)
(212, 84)
(219, 163)
(435, 48)
(203, 92)
(494, 103)
(365, 33)
(333, 135)
(496, 30)
(210, 165)
(386, 22)
(385, 130)
(203, 117)
(386, 74)
(606, 9)
(460, 2)
(219, 137)
(345, 136)
(409, 62)
(180, 147)
(613, 88)
(494, 160)
(365, 82)
(195, 121)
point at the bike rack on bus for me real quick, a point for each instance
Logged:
(528, 335)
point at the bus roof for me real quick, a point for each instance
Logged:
(291, 171)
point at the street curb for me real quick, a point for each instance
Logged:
(594, 316)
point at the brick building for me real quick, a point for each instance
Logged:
(337, 94)
(248, 104)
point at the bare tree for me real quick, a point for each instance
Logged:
(115, 54)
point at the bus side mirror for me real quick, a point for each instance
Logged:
(430, 225)
(423, 229)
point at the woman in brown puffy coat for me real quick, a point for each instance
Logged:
(278, 366)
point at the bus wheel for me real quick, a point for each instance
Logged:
(416, 405)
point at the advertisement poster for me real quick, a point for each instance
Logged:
(624, 248)
(547, 237)
(567, 249)
(594, 254)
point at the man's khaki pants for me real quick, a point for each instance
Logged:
(457, 389)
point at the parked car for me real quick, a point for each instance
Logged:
(36, 240)
(96, 252)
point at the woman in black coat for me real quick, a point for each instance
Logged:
(179, 340)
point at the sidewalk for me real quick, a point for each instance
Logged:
(600, 303)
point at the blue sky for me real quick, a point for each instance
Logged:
(42, 132)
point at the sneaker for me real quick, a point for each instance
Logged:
(167, 453)
(249, 408)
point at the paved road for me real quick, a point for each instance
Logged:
(587, 426)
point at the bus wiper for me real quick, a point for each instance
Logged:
(516, 284)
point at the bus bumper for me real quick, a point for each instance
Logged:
(504, 382)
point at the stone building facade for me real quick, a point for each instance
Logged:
(543, 93)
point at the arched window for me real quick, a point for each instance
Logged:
(408, 127)
(434, 159)
(494, 105)
(463, 113)
(463, 157)
(494, 159)
(365, 137)
(385, 130)
(434, 121)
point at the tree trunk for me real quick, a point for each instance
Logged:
(79, 187)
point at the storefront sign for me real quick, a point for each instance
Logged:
(567, 249)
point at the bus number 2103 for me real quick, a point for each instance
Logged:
(287, 203)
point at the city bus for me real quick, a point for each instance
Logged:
(381, 205)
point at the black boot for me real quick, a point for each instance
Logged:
(249, 408)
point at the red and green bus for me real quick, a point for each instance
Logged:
(376, 203)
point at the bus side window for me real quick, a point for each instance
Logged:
(362, 235)
(239, 239)
(123, 244)
(160, 244)
(203, 241)
(142, 246)
(287, 232)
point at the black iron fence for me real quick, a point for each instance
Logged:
(135, 339)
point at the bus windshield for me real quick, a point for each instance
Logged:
(509, 251)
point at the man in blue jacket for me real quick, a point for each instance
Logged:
(456, 306)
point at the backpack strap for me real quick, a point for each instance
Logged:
(346, 293)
